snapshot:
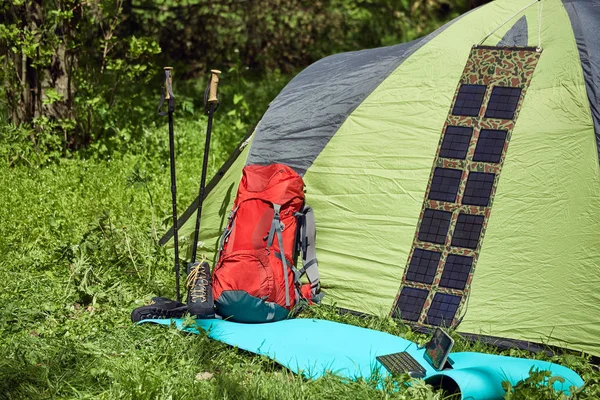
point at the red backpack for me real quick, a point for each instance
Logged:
(255, 279)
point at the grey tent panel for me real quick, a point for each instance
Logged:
(306, 114)
(585, 20)
(311, 108)
(517, 35)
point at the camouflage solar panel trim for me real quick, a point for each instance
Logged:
(453, 218)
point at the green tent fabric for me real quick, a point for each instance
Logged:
(367, 131)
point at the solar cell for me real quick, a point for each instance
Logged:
(422, 266)
(444, 185)
(478, 189)
(469, 99)
(434, 226)
(503, 102)
(490, 145)
(468, 228)
(442, 310)
(456, 271)
(456, 142)
(410, 303)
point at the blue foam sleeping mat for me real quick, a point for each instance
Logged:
(313, 347)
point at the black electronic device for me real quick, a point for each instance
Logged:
(436, 354)
(401, 362)
(438, 348)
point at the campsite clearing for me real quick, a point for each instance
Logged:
(78, 255)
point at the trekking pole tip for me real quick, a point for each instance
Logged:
(214, 83)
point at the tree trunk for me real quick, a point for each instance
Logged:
(58, 77)
(27, 95)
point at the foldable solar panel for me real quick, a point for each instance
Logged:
(460, 192)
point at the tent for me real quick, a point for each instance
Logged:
(455, 179)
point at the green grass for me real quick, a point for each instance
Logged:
(78, 252)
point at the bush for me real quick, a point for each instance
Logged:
(88, 73)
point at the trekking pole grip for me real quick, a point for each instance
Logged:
(169, 96)
(214, 83)
(168, 83)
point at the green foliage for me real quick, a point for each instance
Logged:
(79, 252)
(93, 66)
(79, 232)
(275, 34)
(70, 66)
(539, 385)
(23, 145)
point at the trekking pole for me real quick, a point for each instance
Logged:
(168, 95)
(211, 103)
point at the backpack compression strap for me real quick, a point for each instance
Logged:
(307, 241)
(277, 228)
(226, 232)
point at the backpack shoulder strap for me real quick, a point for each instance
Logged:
(310, 266)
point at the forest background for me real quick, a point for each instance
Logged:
(84, 181)
(84, 75)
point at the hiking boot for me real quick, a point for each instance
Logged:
(200, 301)
(160, 307)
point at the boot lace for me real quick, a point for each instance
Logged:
(197, 282)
